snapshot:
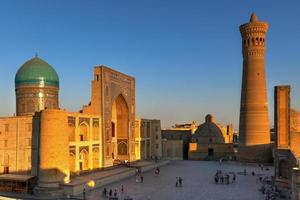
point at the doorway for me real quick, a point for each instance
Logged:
(211, 152)
(6, 170)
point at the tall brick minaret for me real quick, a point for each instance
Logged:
(254, 134)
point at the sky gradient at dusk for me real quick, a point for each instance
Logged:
(185, 55)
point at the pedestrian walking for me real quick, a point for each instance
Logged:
(142, 179)
(233, 178)
(137, 178)
(104, 192)
(83, 193)
(115, 193)
(110, 193)
(155, 173)
(122, 189)
(216, 179)
(180, 181)
(227, 179)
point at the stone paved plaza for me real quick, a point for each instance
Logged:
(198, 183)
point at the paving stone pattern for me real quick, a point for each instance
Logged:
(198, 183)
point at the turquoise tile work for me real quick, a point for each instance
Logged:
(36, 72)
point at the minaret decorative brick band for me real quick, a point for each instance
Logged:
(254, 133)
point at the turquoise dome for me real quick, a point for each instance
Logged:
(36, 72)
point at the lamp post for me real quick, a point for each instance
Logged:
(90, 184)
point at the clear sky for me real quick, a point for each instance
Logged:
(185, 55)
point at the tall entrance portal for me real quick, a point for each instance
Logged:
(120, 129)
(113, 98)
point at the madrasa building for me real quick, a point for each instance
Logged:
(51, 144)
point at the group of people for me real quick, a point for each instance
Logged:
(178, 182)
(112, 194)
(262, 167)
(224, 178)
(269, 191)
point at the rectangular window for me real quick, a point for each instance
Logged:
(71, 121)
(107, 135)
(6, 170)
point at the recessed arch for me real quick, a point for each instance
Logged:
(122, 148)
(83, 160)
(120, 126)
(83, 131)
(96, 157)
(6, 160)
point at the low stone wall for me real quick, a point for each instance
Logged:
(72, 189)
(153, 166)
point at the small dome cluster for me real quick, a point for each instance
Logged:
(209, 129)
